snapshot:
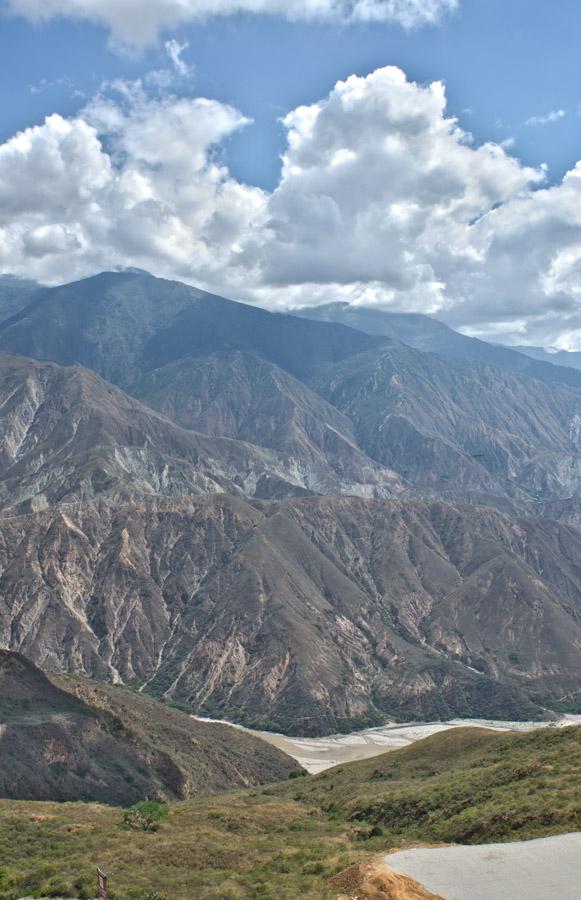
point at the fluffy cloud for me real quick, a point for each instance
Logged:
(135, 22)
(102, 189)
(385, 200)
(382, 199)
(528, 287)
(379, 186)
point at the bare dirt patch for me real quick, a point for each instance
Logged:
(372, 880)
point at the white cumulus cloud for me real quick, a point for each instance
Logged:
(139, 22)
(383, 198)
(103, 189)
(378, 185)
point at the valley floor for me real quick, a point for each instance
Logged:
(524, 870)
(318, 754)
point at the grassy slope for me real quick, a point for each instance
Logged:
(462, 786)
(212, 757)
(287, 840)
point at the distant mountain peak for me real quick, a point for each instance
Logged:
(132, 270)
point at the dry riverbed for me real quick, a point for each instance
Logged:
(318, 754)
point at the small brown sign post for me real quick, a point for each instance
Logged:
(102, 885)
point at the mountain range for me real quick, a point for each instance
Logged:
(70, 435)
(569, 358)
(427, 334)
(312, 524)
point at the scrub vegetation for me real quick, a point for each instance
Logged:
(291, 839)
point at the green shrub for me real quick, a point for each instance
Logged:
(146, 815)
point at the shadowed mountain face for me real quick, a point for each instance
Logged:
(424, 333)
(211, 365)
(124, 325)
(63, 738)
(311, 615)
(460, 429)
(15, 294)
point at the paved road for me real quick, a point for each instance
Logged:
(544, 869)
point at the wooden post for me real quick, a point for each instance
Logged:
(102, 885)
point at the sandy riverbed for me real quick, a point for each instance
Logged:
(318, 754)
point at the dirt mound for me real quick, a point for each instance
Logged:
(374, 881)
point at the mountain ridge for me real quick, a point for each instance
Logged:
(64, 738)
(462, 429)
(223, 367)
(323, 576)
(116, 324)
(430, 335)
(567, 358)
(68, 433)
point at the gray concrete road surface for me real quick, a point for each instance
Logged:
(544, 869)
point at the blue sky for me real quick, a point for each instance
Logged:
(503, 61)
(112, 153)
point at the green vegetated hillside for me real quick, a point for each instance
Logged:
(467, 786)
(287, 840)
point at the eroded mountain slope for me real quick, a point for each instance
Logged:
(311, 615)
(237, 394)
(68, 435)
(460, 429)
